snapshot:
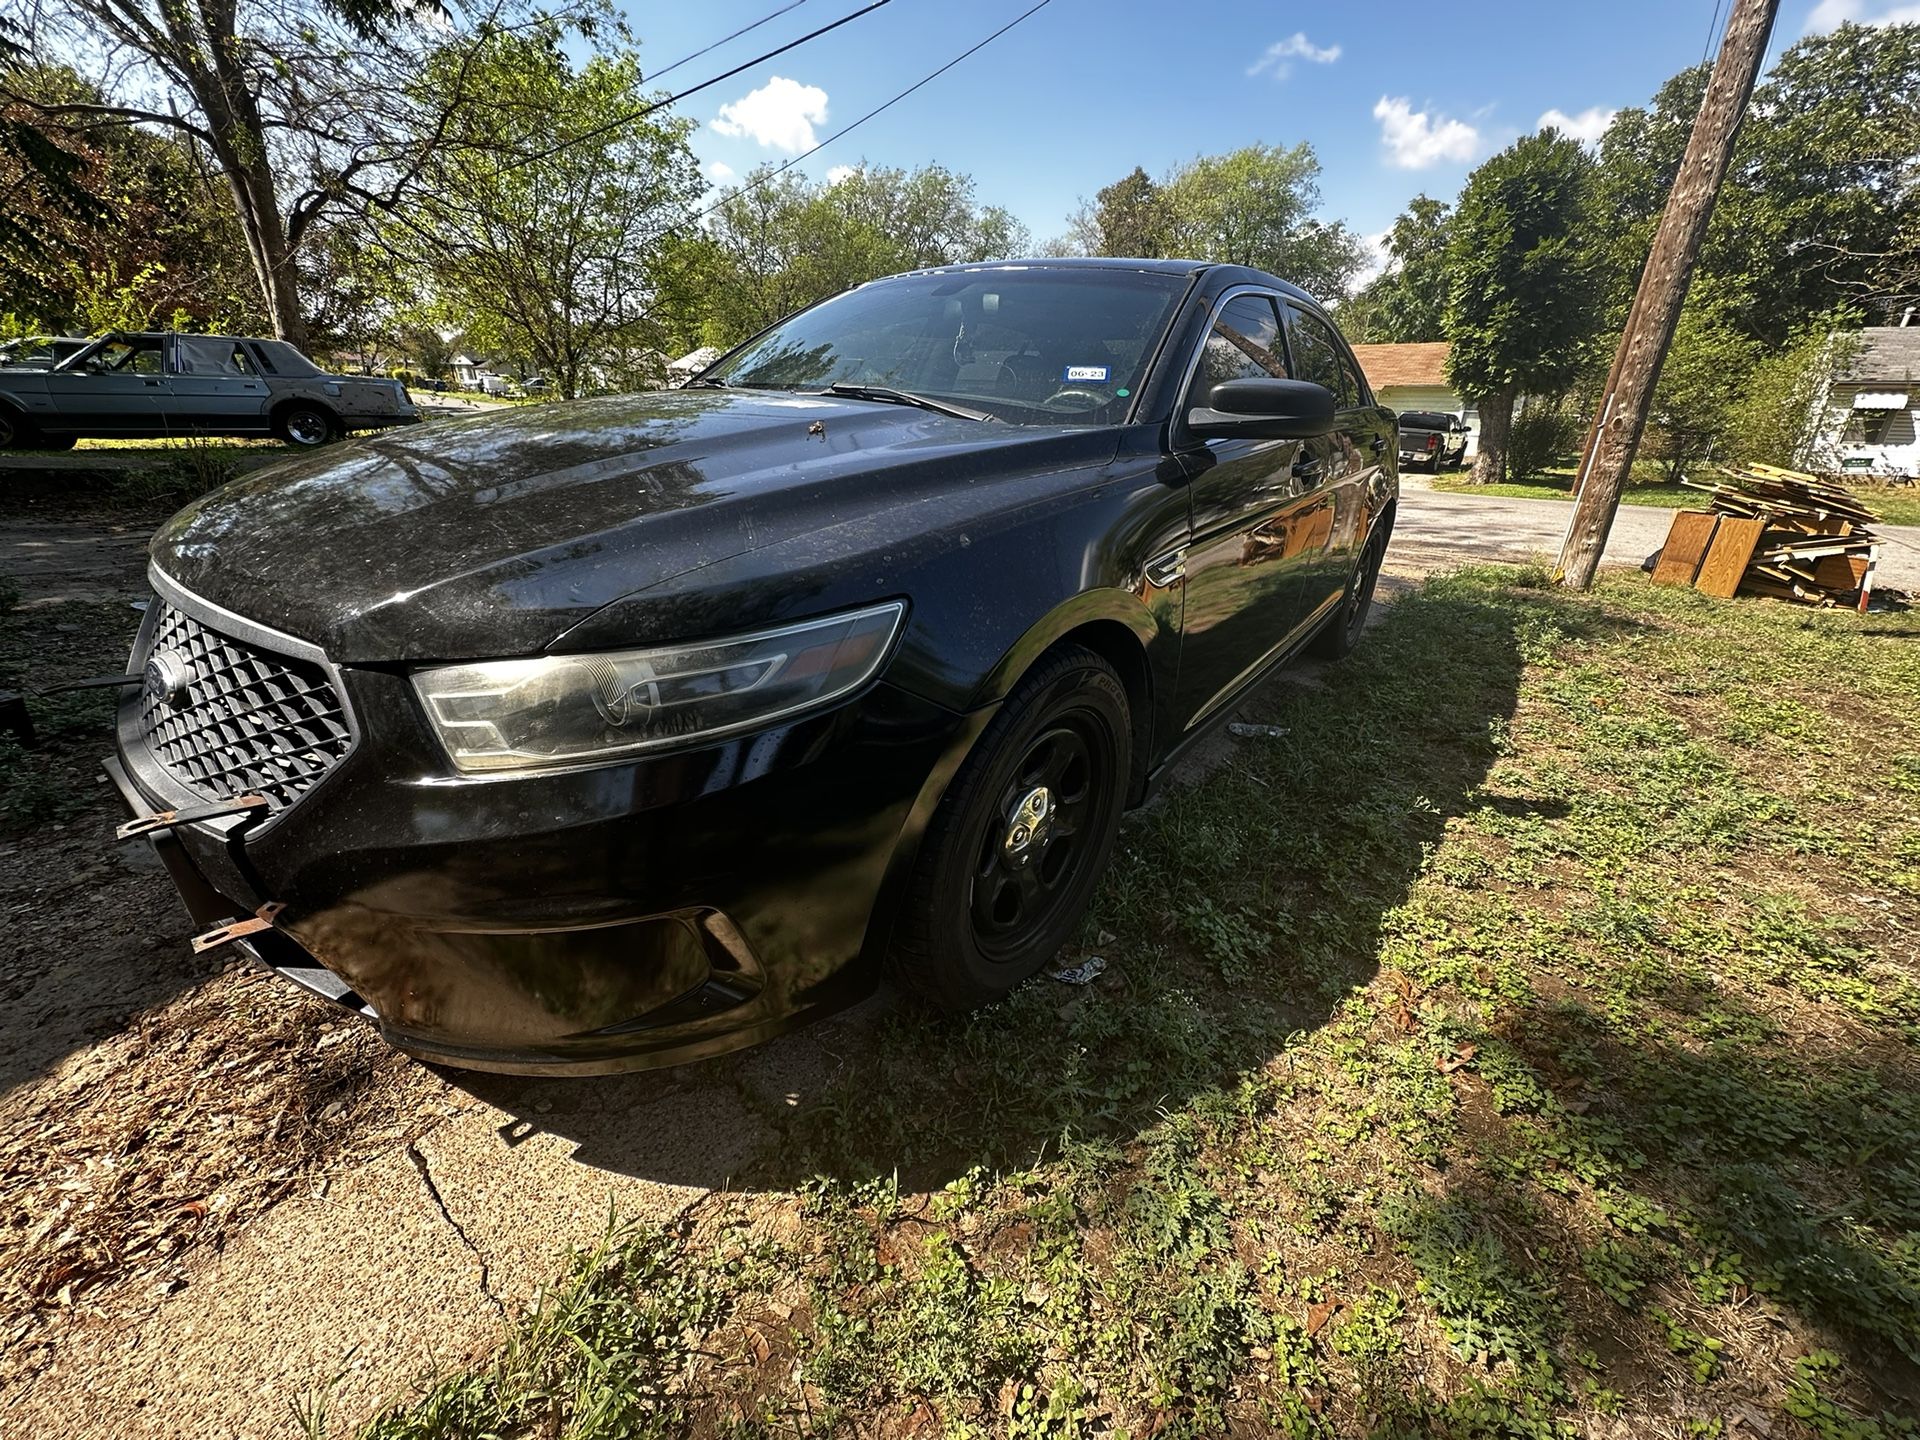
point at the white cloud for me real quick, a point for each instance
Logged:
(719, 172)
(1832, 14)
(1587, 127)
(841, 172)
(1416, 139)
(1280, 55)
(781, 115)
(1376, 260)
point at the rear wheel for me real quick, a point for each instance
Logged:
(1342, 632)
(1020, 840)
(306, 425)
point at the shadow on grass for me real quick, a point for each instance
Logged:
(1238, 912)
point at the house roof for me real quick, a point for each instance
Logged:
(1888, 354)
(1390, 365)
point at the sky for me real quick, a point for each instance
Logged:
(1396, 98)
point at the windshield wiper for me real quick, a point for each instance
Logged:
(889, 396)
(700, 382)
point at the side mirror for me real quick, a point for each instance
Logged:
(1264, 410)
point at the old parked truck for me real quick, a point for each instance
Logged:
(142, 385)
(1432, 438)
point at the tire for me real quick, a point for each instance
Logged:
(1342, 630)
(306, 424)
(16, 431)
(985, 908)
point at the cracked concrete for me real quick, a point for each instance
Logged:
(480, 1256)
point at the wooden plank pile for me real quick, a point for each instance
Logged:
(1773, 532)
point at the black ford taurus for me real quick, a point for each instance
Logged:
(594, 736)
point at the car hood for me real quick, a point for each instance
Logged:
(491, 536)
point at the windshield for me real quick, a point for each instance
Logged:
(1030, 346)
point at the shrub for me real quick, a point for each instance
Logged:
(1544, 432)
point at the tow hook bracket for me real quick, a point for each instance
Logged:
(238, 929)
(167, 819)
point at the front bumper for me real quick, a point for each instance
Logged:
(589, 921)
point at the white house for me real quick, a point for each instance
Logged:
(1414, 377)
(1867, 425)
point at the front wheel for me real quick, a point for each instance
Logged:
(16, 431)
(306, 425)
(1021, 838)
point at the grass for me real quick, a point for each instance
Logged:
(1526, 1044)
(1893, 506)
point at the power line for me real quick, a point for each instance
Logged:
(1713, 28)
(756, 182)
(646, 110)
(724, 39)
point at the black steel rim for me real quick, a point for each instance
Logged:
(1011, 903)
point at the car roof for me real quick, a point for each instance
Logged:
(1226, 274)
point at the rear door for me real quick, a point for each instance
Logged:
(1355, 454)
(216, 385)
(1251, 503)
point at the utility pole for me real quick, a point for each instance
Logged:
(1615, 437)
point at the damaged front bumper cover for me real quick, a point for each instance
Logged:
(211, 911)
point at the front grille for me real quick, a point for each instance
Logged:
(247, 721)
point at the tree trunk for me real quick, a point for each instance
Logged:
(240, 147)
(1496, 424)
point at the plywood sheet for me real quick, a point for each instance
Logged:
(1727, 557)
(1686, 547)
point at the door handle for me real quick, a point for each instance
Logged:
(1309, 468)
(154, 383)
(1379, 444)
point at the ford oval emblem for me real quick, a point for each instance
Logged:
(164, 681)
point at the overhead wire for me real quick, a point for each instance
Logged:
(725, 39)
(754, 182)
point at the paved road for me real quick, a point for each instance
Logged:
(1437, 529)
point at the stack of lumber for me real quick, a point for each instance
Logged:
(1773, 532)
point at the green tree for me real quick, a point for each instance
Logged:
(1126, 218)
(1703, 381)
(1819, 203)
(1407, 302)
(1252, 206)
(1255, 206)
(1523, 303)
(542, 221)
(309, 110)
(778, 242)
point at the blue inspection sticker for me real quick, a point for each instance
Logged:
(1082, 374)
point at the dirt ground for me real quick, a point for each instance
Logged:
(218, 1197)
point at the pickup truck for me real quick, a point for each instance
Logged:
(1432, 438)
(144, 384)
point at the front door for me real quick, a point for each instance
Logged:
(1254, 518)
(119, 389)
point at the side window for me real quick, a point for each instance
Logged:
(1244, 344)
(1319, 358)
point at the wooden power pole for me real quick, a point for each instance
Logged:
(1615, 437)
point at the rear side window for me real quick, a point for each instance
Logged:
(1319, 358)
(1244, 344)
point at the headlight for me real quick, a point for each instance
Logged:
(558, 710)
